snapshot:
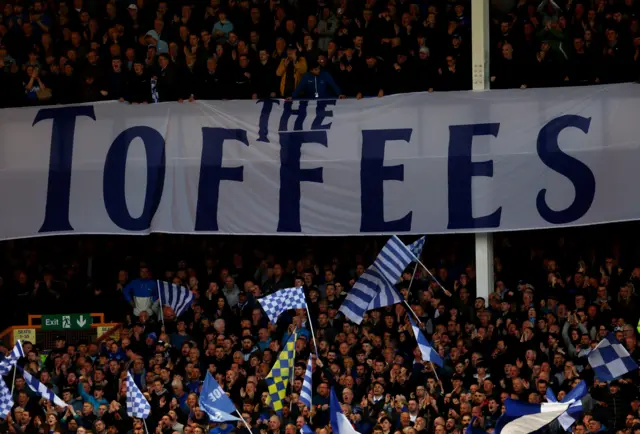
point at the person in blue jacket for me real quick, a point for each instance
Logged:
(316, 84)
(142, 293)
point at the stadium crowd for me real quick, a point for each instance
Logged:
(145, 51)
(530, 335)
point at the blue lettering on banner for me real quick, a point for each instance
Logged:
(212, 172)
(321, 114)
(461, 171)
(114, 177)
(291, 175)
(56, 217)
(575, 170)
(300, 113)
(373, 173)
(263, 123)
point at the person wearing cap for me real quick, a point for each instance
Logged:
(317, 84)
(152, 38)
(290, 71)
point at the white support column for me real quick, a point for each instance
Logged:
(480, 44)
(480, 61)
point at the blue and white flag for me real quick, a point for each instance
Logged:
(177, 297)
(378, 278)
(307, 391)
(10, 360)
(388, 295)
(215, 402)
(416, 247)
(523, 418)
(42, 390)
(427, 351)
(610, 359)
(6, 400)
(339, 422)
(474, 429)
(282, 301)
(137, 404)
(306, 429)
(574, 399)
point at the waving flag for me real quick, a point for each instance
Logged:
(523, 418)
(427, 351)
(278, 379)
(215, 402)
(339, 422)
(10, 361)
(281, 301)
(137, 404)
(416, 247)
(42, 390)
(307, 391)
(574, 399)
(177, 297)
(6, 400)
(610, 359)
(378, 278)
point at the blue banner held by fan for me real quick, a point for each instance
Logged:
(215, 402)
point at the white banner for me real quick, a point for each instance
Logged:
(417, 163)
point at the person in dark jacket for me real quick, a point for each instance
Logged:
(167, 79)
(315, 84)
(373, 78)
(138, 90)
(116, 82)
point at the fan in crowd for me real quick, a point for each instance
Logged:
(146, 51)
(530, 341)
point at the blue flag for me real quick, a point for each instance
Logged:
(215, 402)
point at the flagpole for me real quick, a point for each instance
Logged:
(313, 335)
(160, 301)
(432, 276)
(13, 382)
(145, 425)
(244, 421)
(434, 370)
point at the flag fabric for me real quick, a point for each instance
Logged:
(137, 404)
(574, 398)
(610, 360)
(379, 277)
(281, 301)
(388, 295)
(215, 402)
(179, 298)
(278, 379)
(416, 247)
(339, 422)
(6, 400)
(523, 418)
(307, 391)
(10, 361)
(427, 351)
(474, 429)
(306, 429)
(42, 390)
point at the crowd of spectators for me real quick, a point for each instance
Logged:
(555, 297)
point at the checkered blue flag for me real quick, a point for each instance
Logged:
(307, 391)
(137, 404)
(10, 361)
(281, 301)
(417, 246)
(6, 400)
(610, 359)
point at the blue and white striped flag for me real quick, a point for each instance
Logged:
(427, 351)
(610, 360)
(6, 400)
(307, 389)
(387, 295)
(416, 247)
(137, 404)
(42, 390)
(340, 424)
(10, 361)
(574, 398)
(523, 418)
(177, 297)
(281, 301)
(379, 277)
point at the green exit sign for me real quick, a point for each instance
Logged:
(74, 321)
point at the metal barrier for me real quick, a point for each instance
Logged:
(45, 339)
